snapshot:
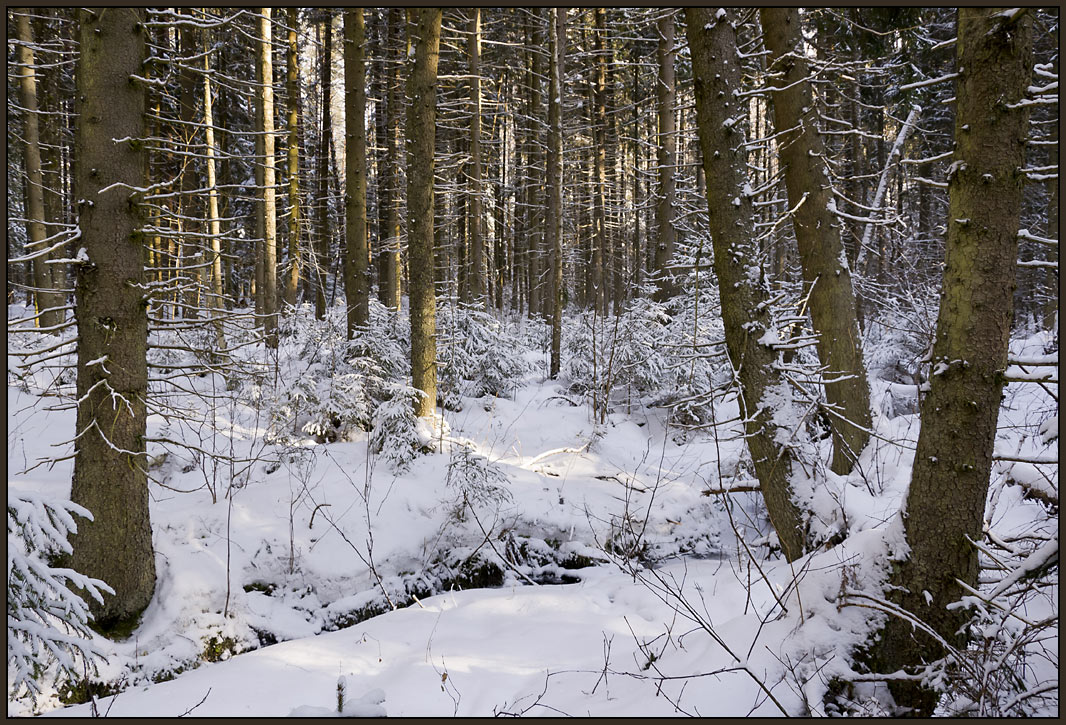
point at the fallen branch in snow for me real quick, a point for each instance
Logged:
(731, 489)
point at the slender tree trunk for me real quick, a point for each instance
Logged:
(292, 88)
(46, 299)
(322, 237)
(268, 210)
(109, 466)
(557, 49)
(599, 212)
(745, 314)
(538, 302)
(214, 225)
(949, 483)
(423, 55)
(825, 268)
(476, 244)
(667, 144)
(356, 283)
(393, 164)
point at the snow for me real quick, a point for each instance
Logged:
(316, 539)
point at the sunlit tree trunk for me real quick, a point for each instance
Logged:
(292, 88)
(423, 55)
(557, 49)
(666, 141)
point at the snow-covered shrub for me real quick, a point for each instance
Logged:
(607, 353)
(479, 356)
(397, 435)
(478, 482)
(46, 621)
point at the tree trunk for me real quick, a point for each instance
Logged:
(476, 244)
(599, 192)
(745, 314)
(825, 268)
(46, 299)
(214, 226)
(667, 143)
(356, 258)
(557, 49)
(423, 55)
(109, 466)
(393, 151)
(264, 110)
(292, 88)
(949, 483)
(322, 237)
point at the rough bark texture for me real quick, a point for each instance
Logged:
(745, 313)
(946, 501)
(111, 311)
(214, 225)
(538, 296)
(46, 299)
(825, 267)
(292, 124)
(356, 255)
(424, 29)
(557, 49)
(666, 142)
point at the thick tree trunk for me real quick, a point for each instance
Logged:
(949, 483)
(745, 314)
(292, 88)
(46, 299)
(666, 140)
(109, 466)
(557, 49)
(356, 256)
(423, 55)
(825, 268)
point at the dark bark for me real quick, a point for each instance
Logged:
(557, 49)
(356, 255)
(745, 314)
(109, 466)
(953, 461)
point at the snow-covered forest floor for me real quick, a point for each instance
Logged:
(525, 557)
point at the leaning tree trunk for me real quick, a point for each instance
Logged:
(949, 483)
(825, 267)
(745, 312)
(356, 254)
(424, 25)
(111, 311)
(47, 301)
(557, 49)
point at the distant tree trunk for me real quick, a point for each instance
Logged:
(46, 299)
(322, 237)
(393, 152)
(949, 483)
(423, 55)
(292, 88)
(825, 268)
(557, 49)
(188, 206)
(667, 143)
(356, 258)
(538, 300)
(109, 465)
(745, 314)
(214, 225)
(267, 211)
(599, 212)
(476, 243)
